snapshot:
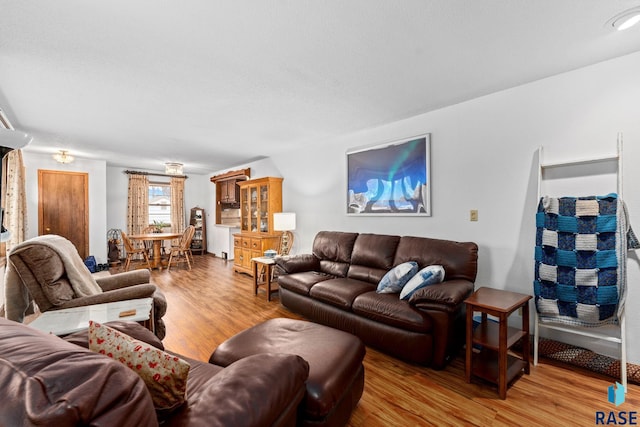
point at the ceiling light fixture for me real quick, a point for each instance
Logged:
(626, 19)
(63, 157)
(173, 168)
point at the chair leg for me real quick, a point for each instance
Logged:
(170, 259)
(146, 258)
(186, 256)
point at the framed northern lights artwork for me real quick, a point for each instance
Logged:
(391, 178)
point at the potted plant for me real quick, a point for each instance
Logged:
(158, 226)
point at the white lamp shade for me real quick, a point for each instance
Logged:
(284, 221)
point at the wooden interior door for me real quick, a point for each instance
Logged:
(63, 206)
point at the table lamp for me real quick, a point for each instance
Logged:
(285, 222)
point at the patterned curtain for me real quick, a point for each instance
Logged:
(177, 204)
(138, 204)
(14, 200)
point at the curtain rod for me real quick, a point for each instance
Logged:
(128, 172)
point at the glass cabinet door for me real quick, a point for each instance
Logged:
(254, 208)
(264, 208)
(244, 221)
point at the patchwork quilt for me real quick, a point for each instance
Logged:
(580, 259)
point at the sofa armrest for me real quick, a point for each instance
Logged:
(133, 329)
(450, 293)
(297, 263)
(256, 390)
(123, 280)
(131, 292)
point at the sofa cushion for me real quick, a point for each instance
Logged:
(340, 292)
(164, 374)
(395, 279)
(333, 249)
(459, 259)
(301, 283)
(429, 275)
(375, 250)
(390, 310)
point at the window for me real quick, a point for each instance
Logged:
(159, 202)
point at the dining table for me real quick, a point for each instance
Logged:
(156, 239)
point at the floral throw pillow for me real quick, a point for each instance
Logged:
(164, 374)
(397, 277)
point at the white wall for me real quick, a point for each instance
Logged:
(96, 169)
(484, 157)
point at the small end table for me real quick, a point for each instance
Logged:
(267, 264)
(493, 362)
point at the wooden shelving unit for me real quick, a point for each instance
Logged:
(199, 241)
(259, 200)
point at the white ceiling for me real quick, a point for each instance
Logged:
(216, 83)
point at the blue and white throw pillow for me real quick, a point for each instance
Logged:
(429, 275)
(395, 279)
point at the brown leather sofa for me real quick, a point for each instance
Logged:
(52, 381)
(336, 284)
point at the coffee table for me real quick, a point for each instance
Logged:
(69, 320)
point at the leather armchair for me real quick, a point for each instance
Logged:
(48, 271)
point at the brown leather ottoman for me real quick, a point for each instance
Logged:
(336, 373)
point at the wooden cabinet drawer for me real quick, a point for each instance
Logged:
(237, 242)
(256, 245)
(246, 243)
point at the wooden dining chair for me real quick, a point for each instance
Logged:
(131, 250)
(148, 244)
(182, 251)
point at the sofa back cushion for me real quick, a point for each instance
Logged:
(43, 274)
(333, 249)
(459, 259)
(373, 255)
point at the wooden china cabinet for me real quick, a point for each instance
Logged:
(259, 199)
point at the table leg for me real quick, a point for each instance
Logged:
(268, 281)
(526, 346)
(502, 357)
(469, 343)
(157, 261)
(255, 277)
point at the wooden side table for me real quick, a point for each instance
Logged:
(267, 264)
(493, 362)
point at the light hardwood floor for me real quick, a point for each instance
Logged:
(211, 303)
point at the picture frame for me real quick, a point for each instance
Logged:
(390, 179)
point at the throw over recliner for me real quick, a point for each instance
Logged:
(48, 270)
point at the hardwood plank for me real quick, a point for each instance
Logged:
(211, 303)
